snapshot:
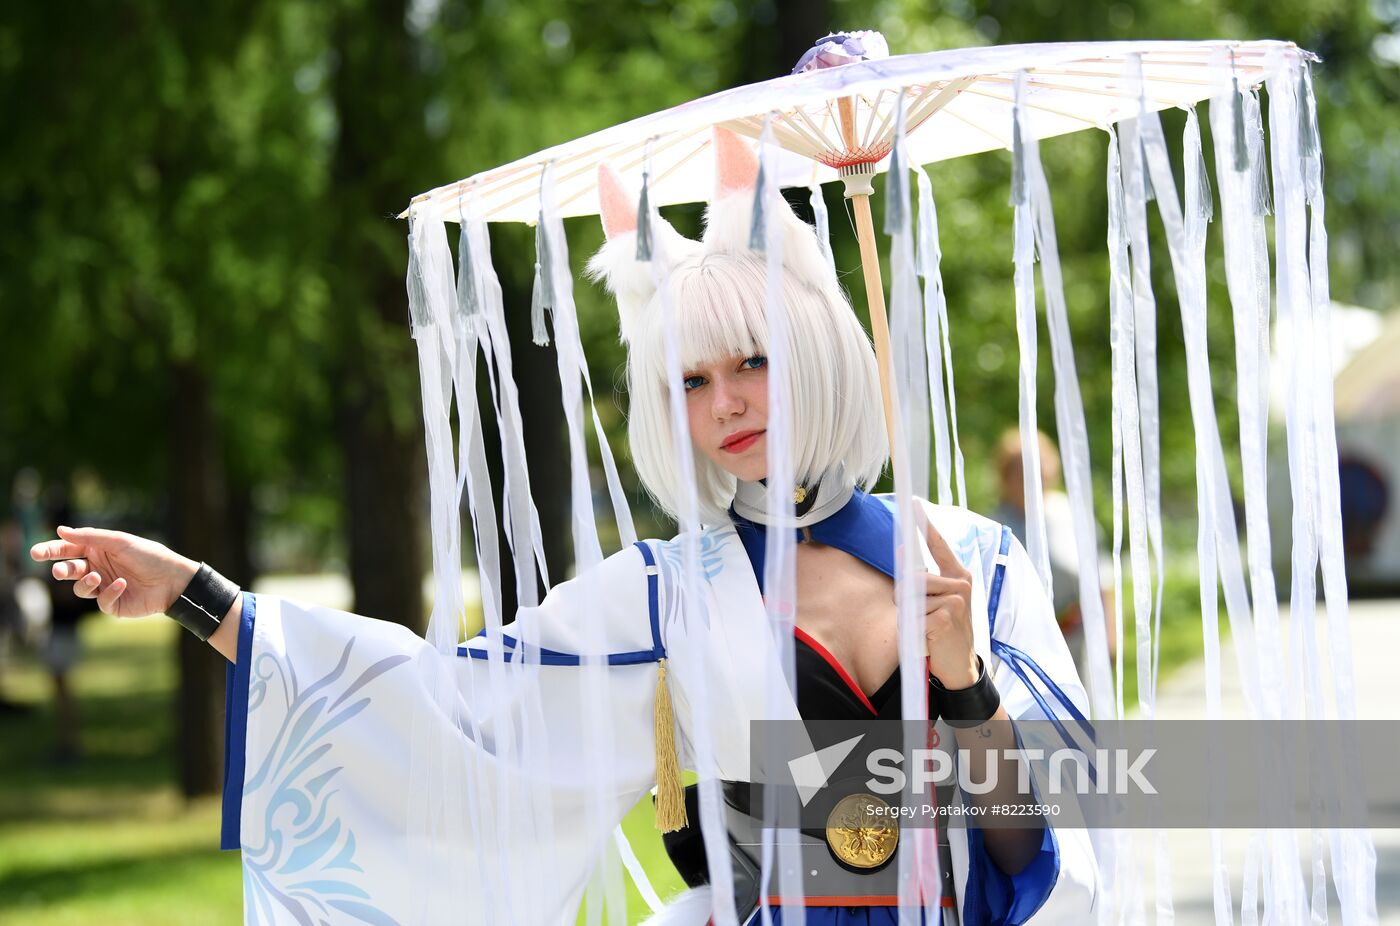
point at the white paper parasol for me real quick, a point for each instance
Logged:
(957, 102)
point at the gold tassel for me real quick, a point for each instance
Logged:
(670, 795)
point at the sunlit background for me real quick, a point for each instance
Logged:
(204, 339)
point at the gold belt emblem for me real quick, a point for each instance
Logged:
(861, 832)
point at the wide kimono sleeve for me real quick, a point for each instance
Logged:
(371, 778)
(1035, 675)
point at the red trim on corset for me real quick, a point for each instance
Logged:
(821, 651)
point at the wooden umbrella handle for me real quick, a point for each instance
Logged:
(870, 269)
(875, 298)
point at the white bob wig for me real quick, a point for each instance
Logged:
(717, 288)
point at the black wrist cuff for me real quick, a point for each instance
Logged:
(971, 706)
(204, 602)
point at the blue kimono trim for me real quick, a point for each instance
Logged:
(236, 726)
(549, 657)
(863, 527)
(994, 898)
(1019, 661)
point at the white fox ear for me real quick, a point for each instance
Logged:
(729, 218)
(630, 280)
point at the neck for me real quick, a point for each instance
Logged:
(824, 497)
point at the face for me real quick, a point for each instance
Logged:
(727, 404)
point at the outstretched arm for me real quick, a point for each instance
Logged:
(129, 576)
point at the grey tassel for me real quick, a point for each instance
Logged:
(1018, 162)
(758, 231)
(1307, 129)
(895, 195)
(1148, 192)
(644, 221)
(468, 304)
(1237, 114)
(897, 190)
(543, 297)
(417, 292)
(1202, 179)
(1263, 193)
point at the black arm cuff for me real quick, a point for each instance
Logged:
(204, 602)
(971, 706)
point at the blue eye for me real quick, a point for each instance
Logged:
(693, 382)
(756, 362)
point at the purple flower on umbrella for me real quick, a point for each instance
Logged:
(843, 48)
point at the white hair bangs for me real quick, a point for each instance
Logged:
(718, 301)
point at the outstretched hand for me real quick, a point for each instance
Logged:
(129, 576)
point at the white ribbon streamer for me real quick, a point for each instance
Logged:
(1026, 342)
(930, 260)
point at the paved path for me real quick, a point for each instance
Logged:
(1375, 638)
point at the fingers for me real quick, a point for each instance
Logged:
(55, 549)
(88, 585)
(74, 543)
(89, 534)
(943, 555)
(946, 585)
(107, 600)
(70, 570)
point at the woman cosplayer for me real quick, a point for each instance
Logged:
(373, 778)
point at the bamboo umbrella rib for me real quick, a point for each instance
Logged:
(1093, 91)
(787, 136)
(674, 139)
(816, 130)
(945, 96)
(704, 143)
(505, 176)
(1040, 106)
(870, 121)
(1100, 75)
(885, 122)
(497, 182)
(1001, 141)
(682, 160)
(786, 124)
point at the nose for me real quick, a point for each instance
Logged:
(726, 402)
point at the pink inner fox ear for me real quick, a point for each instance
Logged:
(616, 204)
(736, 165)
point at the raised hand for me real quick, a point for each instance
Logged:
(948, 617)
(129, 576)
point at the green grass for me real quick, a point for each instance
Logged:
(110, 841)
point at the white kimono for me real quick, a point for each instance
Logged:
(372, 779)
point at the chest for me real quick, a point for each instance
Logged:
(848, 606)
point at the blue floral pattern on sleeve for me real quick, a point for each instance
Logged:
(305, 864)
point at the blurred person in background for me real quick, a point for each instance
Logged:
(11, 543)
(1059, 536)
(61, 649)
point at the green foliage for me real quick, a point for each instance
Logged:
(180, 185)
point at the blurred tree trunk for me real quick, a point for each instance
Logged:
(381, 157)
(384, 506)
(775, 41)
(199, 529)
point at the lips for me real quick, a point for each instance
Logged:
(740, 441)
